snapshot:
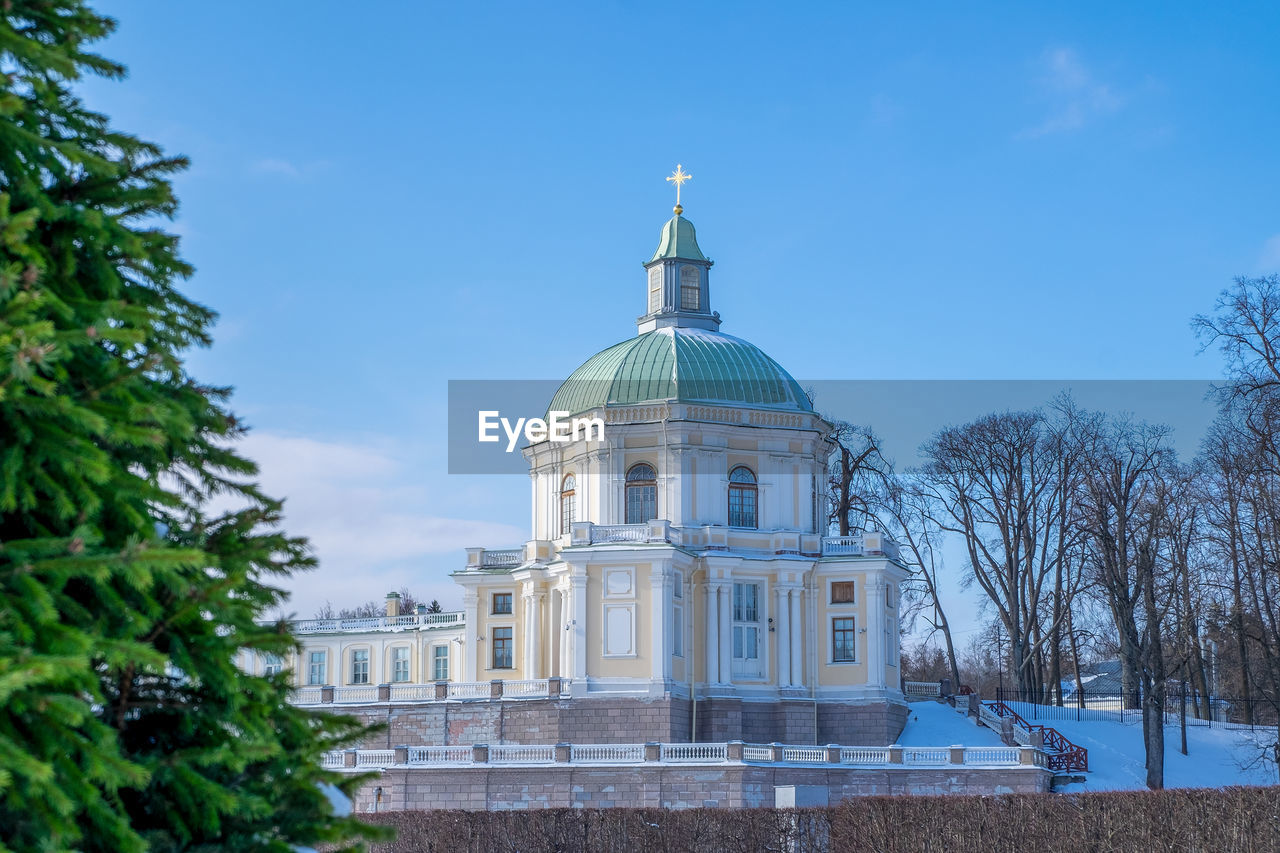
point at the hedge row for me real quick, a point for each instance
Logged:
(1232, 820)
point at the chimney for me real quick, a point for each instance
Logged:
(393, 604)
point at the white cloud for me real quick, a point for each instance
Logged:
(274, 166)
(1078, 97)
(368, 518)
(290, 169)
(1269, 259)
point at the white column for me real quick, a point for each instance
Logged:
(797, 640)
(784, 636)
(710, 595)
(526, 639)
(539, 601)
(875, 630)
(659, 584)
(471, 645)
(578, 599)
(726, 633)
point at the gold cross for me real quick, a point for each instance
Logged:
(678, 177)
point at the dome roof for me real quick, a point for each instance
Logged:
(684, 364)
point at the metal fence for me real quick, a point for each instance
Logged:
(1219, 711)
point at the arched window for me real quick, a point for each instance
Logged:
(642, 493)
(742, 497)
(568, 504)
(690, 288)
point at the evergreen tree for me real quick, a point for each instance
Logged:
(125, 724)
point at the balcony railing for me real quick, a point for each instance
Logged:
(438, 691)
(378, 623)
(732, 752)
(860, 545)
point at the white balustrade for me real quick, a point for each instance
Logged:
(619, 533)
(355, 695)
(375, 757)
(331, 759)
(412, 692)
(469, 690)
(998, 755)
(502, 557)
(521, 753)
(440, 754)
(608, 753)
(864, 755)
(922, 688)
(305, 696)
(808, 754)
(376, 623)
(757, 753)
(926, 755)
(524, 689)
(694, 752)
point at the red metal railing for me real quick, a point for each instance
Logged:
(1062, 754)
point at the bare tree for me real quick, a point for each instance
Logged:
(857, 473)
(998, 484)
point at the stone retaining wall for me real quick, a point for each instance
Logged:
(666, 786)
(627, 720)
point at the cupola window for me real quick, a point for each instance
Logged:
(690, 289)
(655, 289)
(642, 493)
(568, 504)
(742, 497)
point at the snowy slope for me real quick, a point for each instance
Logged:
(1216, 757)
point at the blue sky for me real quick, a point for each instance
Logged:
(386, 196)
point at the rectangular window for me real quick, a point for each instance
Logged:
(746, 631)
(502, 647)
(271, 664)
(690, 289)
(316, 668)
(400, 663)
(842, 592)
(655, 289)
(360, 666)
(842, 639)
(568, 508)
(642, 503)
(502, 602)
(440, 663)
(677, 584)
(677, 631)
(742, 507)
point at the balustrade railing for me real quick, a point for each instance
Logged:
(880, 757)
(703, 752)
(377, 623)
(354, 695)
(603, 533)
(519, 753)
(469, 690)
(607, 753)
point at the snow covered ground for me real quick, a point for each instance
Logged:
(1215, 757)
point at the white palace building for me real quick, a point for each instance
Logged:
(678, 584)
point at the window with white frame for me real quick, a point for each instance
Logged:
(843, 640)
(502, 648)
(746, 631)
(271, 664)
(400, 663)
(440, 663)
(655, 289)
(742, 497)
(677, 631)
(641, 493)
(316, 668)
(359, 666)
(568, 504)
(690, 288)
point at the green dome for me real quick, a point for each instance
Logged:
(678, 240)
(684, 364)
